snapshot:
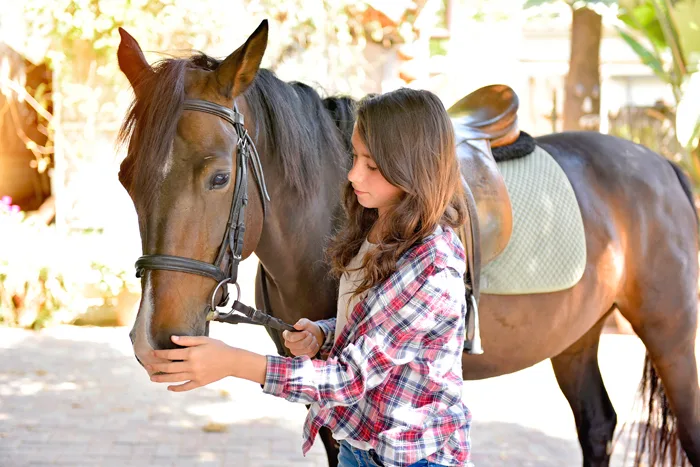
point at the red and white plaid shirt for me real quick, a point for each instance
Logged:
(393, 379)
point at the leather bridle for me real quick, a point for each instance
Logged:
(232, 243)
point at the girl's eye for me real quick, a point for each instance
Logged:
(371, 168)
(219, 180)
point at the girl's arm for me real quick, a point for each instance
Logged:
(366, 362)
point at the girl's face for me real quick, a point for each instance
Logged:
(371, 188)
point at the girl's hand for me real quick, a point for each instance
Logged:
(203, 360)
(306, 342)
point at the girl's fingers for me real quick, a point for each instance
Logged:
(302, 324)
(171, 377)
(172, 354)
(304, 342)
(168, 367)
(188, 341)
(308, 346)
(184, 387)
(294, 336)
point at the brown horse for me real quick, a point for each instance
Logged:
(641, 236)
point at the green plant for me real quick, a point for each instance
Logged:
(47, 276)
(665, 35)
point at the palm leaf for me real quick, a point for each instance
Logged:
(642, 18)
(647, 57)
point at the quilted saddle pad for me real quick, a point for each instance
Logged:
(547, 249)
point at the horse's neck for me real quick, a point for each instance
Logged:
(291, 250)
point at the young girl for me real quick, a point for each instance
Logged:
(390, 389)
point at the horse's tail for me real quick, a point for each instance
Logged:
(685, 184)
(342, 110)
(658, 436)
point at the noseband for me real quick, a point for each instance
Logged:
(232, 243)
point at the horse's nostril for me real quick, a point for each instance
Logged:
(162, 339)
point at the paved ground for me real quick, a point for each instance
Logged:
(76, 396)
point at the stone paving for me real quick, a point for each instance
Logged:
(76, 396)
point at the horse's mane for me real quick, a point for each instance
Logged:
(342, 109)
(293, 127)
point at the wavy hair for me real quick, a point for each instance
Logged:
(411, 139)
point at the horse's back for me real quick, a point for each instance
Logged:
(616, 166)
(633, 201)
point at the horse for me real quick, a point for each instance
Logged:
(201, 131)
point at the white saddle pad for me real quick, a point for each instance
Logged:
(547, 249)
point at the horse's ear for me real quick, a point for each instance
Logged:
(131, 60)
(235, 74)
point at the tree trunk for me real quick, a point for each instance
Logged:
(582, 92)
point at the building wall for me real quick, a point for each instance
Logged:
(625, 81)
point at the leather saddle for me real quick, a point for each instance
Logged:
(491, 113)
(485, 118)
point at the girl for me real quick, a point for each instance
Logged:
(390, 389)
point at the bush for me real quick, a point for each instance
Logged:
(51, 277)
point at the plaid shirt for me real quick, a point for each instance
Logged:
(393, 379)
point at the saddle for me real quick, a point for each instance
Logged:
(490, 113)
(483, 119)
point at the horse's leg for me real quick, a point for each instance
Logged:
(660, 300)
(580, 380)
(332, 446)
(265, 303)
(669, 333)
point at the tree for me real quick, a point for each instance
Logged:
(582, 87)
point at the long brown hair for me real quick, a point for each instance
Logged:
(410, 138)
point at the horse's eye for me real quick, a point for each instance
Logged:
(219, 180)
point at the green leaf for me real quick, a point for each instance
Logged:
(642, 18)
(647, 57)
(686, 17)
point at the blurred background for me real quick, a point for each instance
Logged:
(68, 230)
(622, 67)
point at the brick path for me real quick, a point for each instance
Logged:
(76, 396)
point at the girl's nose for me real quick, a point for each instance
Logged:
(354, 175)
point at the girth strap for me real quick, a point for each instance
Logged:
(472, 341)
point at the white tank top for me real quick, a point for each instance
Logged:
(348, 284)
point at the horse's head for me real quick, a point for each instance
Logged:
(181, 172)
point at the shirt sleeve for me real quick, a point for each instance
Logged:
(328, 328)
(365, 363)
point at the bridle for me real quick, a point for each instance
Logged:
(232, 243)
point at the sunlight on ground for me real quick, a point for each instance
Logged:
(77, 391)
(70, 384)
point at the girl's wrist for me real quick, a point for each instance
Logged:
(248, 365)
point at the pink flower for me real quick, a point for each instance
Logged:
(14, 209)
(6, 200)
